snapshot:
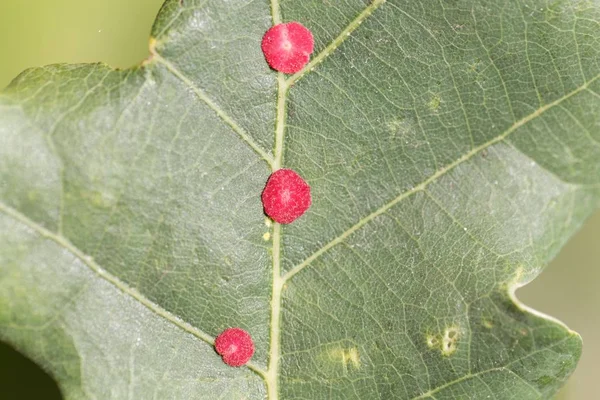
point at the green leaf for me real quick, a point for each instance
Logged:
(452, 148)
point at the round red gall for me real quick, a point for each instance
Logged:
(286, 196)
(287, 47)
(235, 346)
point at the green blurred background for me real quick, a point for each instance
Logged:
(38, 32)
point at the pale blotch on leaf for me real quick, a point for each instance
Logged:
(432, 341)
(446, 343)
(450, 340)
(32, 195)
(515, 282)
(403, 130)
(488, 324)
(434, 103)
(152, 43)
(98, 199)
(394, 125)
(267, 236)
(345, 356)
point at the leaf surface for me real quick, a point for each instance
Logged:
(452, 148)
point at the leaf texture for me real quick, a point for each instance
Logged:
(452, 147)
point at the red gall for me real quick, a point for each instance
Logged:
(287, 47)
(286, 196)
(235, 346)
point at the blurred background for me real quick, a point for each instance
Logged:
(38, 32)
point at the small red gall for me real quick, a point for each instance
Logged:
(286, 196)
(235, 346)
(287, 47)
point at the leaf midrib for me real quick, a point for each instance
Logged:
(88, 261)
(278, 280)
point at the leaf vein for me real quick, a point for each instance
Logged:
(212, 105)
(326, 52)
(116, 282)
(503, 368)
(434, 177)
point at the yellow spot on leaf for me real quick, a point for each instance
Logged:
(152, 47)
(434, 103)
(98, 199)
(432, 341)
(152, 44)
(450, 340)
(395, 125)
(446, 343)
(32, 195)
(347, 357)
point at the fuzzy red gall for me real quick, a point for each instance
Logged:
(287, 47)
(286, 196)
(235, 346)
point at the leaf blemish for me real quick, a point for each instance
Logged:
(32, 195)
(446, 343)
(432, 341)
(435, 102)
(347, 357)
(450, 340)
(152, 43)
(488, 324)
(98, 199)
(394, 126)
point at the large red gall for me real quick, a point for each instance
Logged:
(286, 196)
(287, 47)
(235, 346)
